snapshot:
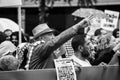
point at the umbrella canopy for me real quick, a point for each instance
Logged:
(6, 23)
(85, 12)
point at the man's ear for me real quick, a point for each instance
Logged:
(80, 48)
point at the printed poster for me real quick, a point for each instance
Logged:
(104, 42)
(65, 69)
(111, 22)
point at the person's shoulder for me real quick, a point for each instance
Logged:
(10, 45)
(7, 42)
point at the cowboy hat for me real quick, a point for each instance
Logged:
(41, 29)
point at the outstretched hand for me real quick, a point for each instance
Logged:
(84, 23)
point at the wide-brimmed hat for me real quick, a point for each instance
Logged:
(41, 29)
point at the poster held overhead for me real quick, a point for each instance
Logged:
(86, 12)
(111, 22)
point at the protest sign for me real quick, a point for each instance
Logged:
(111, 22)
(65, 69)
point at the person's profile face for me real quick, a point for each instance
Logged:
(8, 33)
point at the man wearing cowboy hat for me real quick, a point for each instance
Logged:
(43, 55)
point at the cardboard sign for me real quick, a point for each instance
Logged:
(10, 3)
(111, 22)
(65, 69)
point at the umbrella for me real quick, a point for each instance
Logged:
(85, 12)
(6, 23)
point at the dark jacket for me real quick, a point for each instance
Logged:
(104, 56)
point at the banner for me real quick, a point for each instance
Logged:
(65, 69)
(4, 3)
(111, 22)
(61, 3)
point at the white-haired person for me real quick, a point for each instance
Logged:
(8, 63)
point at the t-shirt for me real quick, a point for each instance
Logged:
(79, 62)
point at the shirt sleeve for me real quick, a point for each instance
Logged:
(46, 49)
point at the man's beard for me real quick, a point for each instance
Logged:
(85, 53)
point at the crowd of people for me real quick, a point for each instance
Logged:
(102, 48)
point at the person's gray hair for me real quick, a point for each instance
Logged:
(8, 63)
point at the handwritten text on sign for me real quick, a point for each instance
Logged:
(111, 22)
